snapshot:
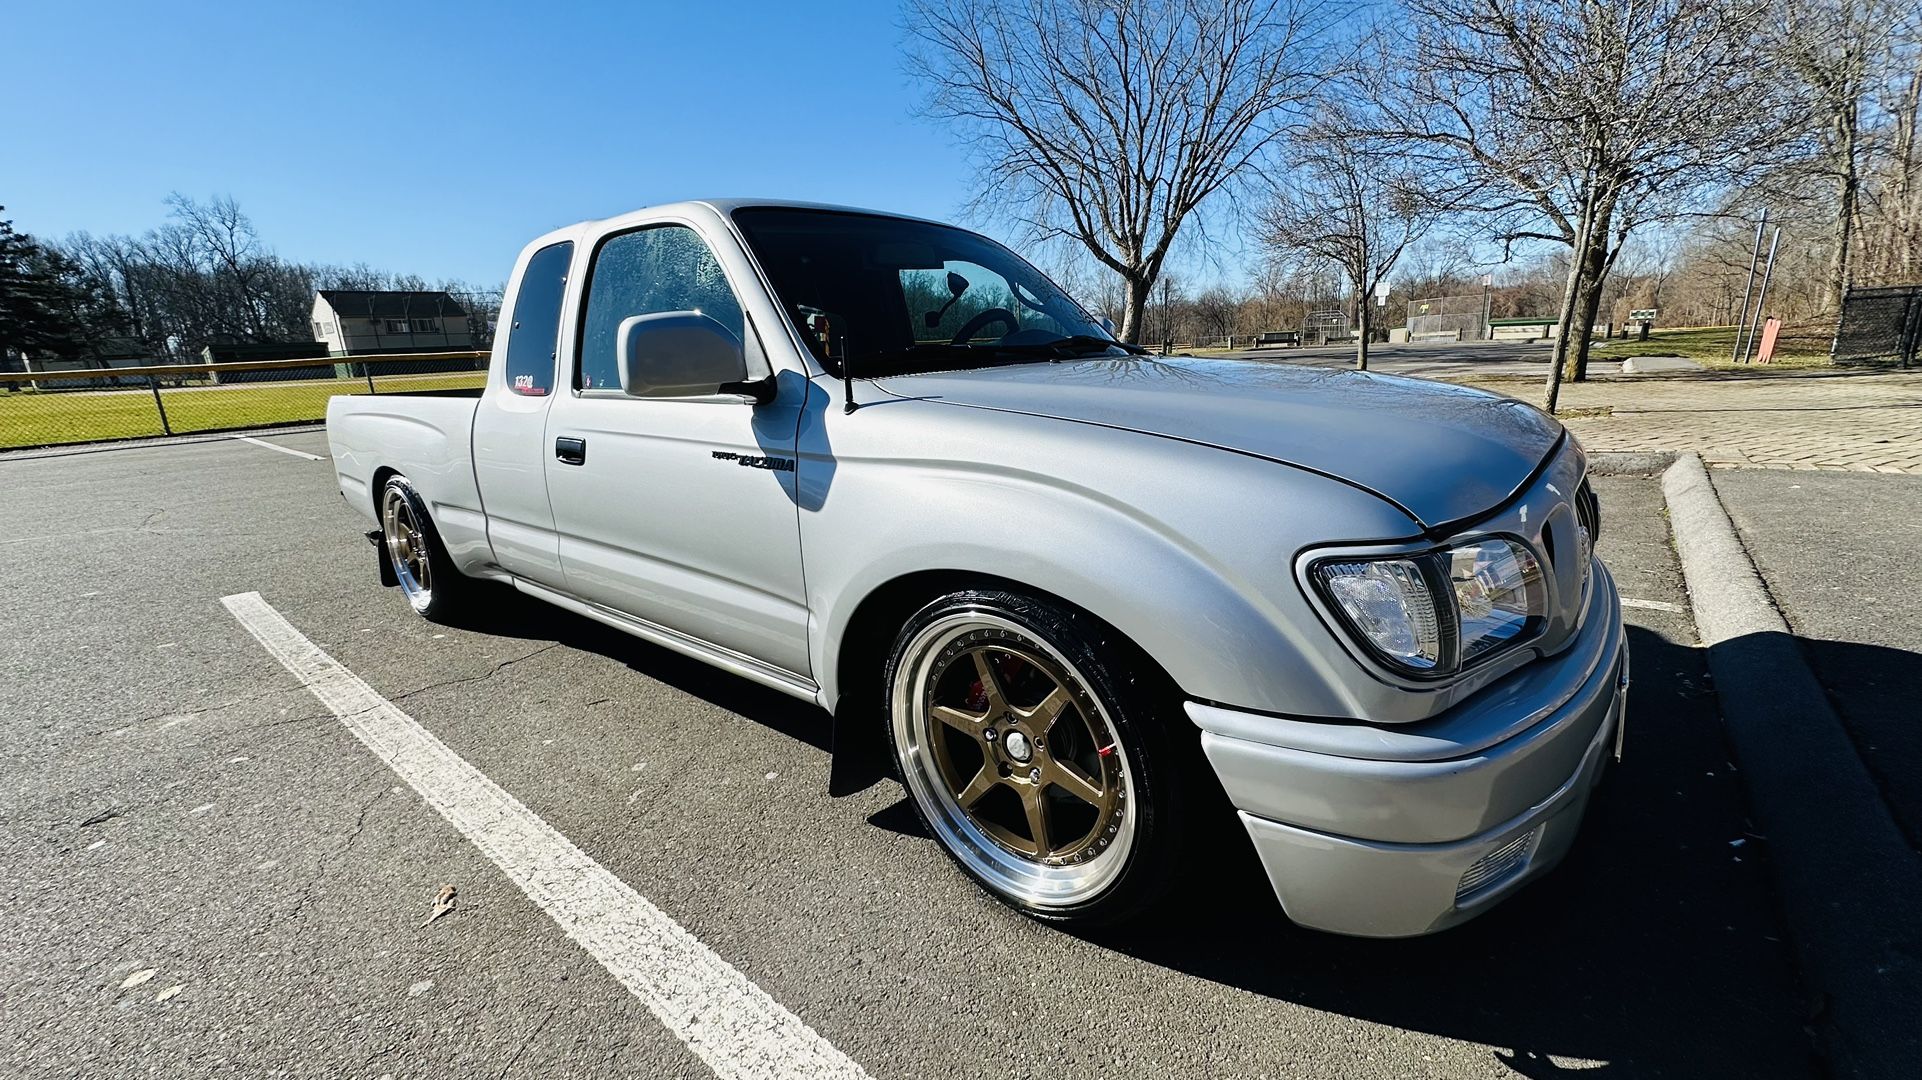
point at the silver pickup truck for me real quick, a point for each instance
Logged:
(1072, 592)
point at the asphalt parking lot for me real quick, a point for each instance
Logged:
(204, 872)
(1838, 551)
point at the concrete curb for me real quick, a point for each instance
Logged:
(1630, 462)
(1851, 888)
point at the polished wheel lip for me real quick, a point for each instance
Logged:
(406, 548)
(1017, 875)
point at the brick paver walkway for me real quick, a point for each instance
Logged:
(1864, 421)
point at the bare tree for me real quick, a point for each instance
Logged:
(1354, 202)
(1112, 121)
(205, 276)
(1214, 310)
(1585, 120)
(1835, 51)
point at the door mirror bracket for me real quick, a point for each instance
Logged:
(760, 390)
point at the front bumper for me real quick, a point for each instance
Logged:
(1382, 831)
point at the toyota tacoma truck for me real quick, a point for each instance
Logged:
(1072, 592)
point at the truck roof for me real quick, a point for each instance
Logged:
(725, 207)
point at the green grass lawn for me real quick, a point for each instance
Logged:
(1710, 346)
(41, 418)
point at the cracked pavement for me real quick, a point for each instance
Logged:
(171, 800)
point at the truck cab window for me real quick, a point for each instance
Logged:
(655, 269)
(537, 321)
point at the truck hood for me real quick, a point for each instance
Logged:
(1442, 453)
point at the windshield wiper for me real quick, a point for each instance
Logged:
(1075, 347)
(982, 355)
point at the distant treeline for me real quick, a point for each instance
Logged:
(202, 277)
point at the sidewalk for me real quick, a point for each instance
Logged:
(1864, 421)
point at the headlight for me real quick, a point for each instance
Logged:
(1498, 593)
(1432, 614)
(1391, 605)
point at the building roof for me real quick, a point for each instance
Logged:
(371, 304)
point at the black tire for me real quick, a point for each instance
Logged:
(410, 544)
(1112, 693)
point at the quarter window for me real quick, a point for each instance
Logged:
(656, 269)
(537, 321)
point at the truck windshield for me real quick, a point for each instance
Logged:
(900, 296)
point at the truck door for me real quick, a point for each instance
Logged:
(678, 511)
(510, 427)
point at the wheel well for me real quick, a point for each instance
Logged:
(381, 476)
(863, 655)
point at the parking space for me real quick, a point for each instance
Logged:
(1838, 551)
(176, 802)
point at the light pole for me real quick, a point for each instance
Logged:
(1761, 299)
(1755, 257)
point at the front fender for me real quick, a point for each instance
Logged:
(1186, 549)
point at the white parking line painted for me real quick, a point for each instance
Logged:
(722, 1016)
(1653, 605)
(276, 446)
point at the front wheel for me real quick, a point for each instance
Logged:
(421, 566)
(1033, 750)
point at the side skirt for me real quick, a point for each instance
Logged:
(726, 659)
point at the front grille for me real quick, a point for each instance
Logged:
(1497, 866)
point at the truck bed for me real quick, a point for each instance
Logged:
(426, 435)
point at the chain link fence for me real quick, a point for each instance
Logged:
(1879, 324)
(1449, 318)
(65, 402)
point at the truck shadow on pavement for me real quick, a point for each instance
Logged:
(511, 614)
(1653, 950)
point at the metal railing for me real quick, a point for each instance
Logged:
(1455, 318)
(1879, 324)
(100, 404)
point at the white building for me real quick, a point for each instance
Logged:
(357, 322)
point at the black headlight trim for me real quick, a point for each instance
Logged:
(1432, 564)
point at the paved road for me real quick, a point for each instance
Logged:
(172, 802)
(1431, 360)
(1842, 556)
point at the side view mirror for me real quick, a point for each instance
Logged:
(1108, 325)
(677, 354)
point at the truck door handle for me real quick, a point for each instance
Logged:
(570, 451)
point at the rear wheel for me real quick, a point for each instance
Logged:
(1035, 754)
(426, 575)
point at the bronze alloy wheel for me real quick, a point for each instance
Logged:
(407, 546)
(1013, 759)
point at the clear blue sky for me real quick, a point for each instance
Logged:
(436, 139)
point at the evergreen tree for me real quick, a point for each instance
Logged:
(40, 302)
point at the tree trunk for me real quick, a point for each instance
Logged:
(1364, 323)
(1588, 303)
(1902, 228)
(1134, 306)
(1847, 184)
(1584, 239)
(1593, 274)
